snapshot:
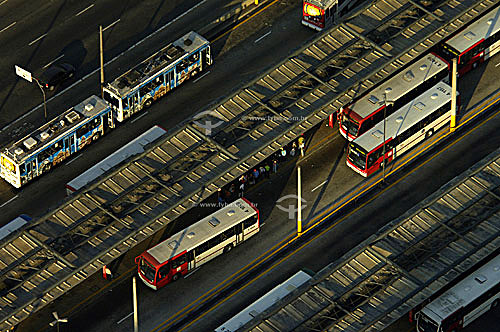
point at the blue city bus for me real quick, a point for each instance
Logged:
(139, 87)
(35, 154)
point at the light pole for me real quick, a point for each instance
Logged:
(44, 101)
(28, 77)
(57, 320)
(386, 103)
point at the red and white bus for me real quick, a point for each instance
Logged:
(358, 117)
(475, 44)
(199, 243)
(320, 14)
(404, 129)
(464, 302)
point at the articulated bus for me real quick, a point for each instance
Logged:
(154, 77)
(198, 243)
(360, 116)
(464, 302)
(404, 129)
(320, 14)
(49, 145)
(475, 44)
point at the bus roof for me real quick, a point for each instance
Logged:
(406, 116)
(406, 80)
(464, 292)
(481, 29)
(264, 302)
(134, 147)
(202, 230)
(55, 129)
(323, 4)
(162, 59)
(14, 225)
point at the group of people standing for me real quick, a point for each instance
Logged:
(260, 172)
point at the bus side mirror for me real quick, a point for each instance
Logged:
(137, 259)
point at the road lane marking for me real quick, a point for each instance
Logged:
(10, 200)
(264, 36)
(48, 64)
(9, 26)
(121, 320)
(319, 185)
(34, 41)
(72, 160)
(498, 64)
(109, 26)
(140, 116)
(199, 78)
(83, 11)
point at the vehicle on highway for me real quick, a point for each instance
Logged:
(404, 129)
(321, 14)
(358, 117)
(139, 87)
(199, 243)
(475, 44)
(464, 302)
(57, 74)
(35, 154)
(132, 148)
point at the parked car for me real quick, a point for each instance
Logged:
(57, 74)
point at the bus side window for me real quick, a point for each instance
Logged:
(163, 271)
(249, 222)
(178, 261)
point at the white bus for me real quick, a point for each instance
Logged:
(404, 129)
(358, 117)
(464, 302)
(132, 148)
(198, 243)
(264, 302)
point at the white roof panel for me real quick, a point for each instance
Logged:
(202, 230)
(483, 28)
(399, 85)
(406, 116)
(134, 147)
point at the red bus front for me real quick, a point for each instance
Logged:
(156, 275)
(364, 163)
(313, 16)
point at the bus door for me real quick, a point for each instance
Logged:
(169, 77)
(69, 144)
(108, 119)
(30, 169)
(238, 229)
(179, 266)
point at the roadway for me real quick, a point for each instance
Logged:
(325, 180)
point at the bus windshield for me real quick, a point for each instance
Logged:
(357, 156)
(426, 324)
(147, 270)
(351, 126)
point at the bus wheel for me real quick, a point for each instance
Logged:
(429, 133)
(228, 248)
(474, 65)
(175, 277)
(148, 103)
(495, 304)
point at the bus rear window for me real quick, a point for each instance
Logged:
(111, 99)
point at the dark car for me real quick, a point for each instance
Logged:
(57, 74)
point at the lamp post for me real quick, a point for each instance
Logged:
(28, 77)
(386, 104)
(44, 100)
(57, 320)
